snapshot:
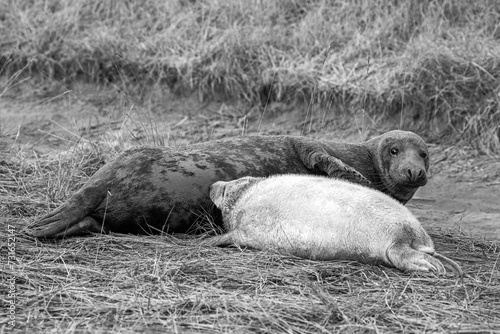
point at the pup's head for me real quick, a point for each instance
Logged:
(225, 194)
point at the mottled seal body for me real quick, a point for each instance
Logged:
(151, 190)
(324, 219)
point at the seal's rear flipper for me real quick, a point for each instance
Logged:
(87, 224)
(452, 264)
(51, 224)
(71, 217)
(405, 258)
(444, 260)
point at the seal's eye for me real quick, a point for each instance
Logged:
(394, 151)
(423, 155)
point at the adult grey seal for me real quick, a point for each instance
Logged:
(325, 219)
(152, 190)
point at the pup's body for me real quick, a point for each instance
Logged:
(324, 219)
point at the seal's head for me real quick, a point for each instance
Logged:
(225, 194)
(403, 160)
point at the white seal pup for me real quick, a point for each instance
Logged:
(325, 219)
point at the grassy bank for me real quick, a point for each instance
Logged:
(433, 64)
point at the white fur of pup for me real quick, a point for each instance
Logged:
(326, 219)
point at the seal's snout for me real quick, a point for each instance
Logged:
(416, 175)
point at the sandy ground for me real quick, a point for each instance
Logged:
(463, 192)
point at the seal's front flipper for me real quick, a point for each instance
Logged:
(336, 168)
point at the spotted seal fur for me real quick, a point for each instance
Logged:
(165, 189)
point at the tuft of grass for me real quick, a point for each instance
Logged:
(429, 62)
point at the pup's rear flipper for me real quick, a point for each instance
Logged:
(452, 264)
(405, 258)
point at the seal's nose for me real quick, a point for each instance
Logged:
(415, 174)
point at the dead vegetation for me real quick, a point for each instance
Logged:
(122, 284)
(126, 284)
(434, 62)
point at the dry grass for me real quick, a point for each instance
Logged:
(127, 284)
(433, 63)
(122, 283)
